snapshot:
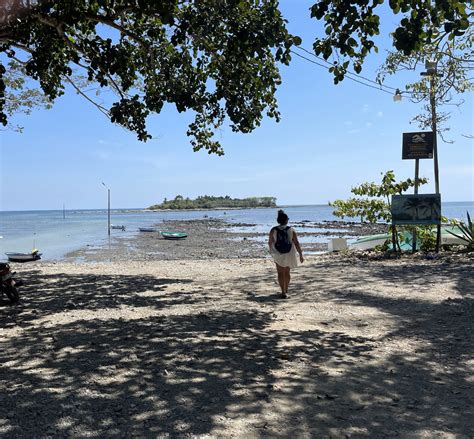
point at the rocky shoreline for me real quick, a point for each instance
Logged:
(214, 238)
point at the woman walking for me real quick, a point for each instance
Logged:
(283, 244)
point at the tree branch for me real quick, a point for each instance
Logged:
(102, 109)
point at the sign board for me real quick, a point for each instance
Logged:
(416, 209)
(417, 145)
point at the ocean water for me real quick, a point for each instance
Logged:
(55, 236)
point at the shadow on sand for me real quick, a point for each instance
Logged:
(192, 371)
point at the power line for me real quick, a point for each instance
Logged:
(348, 77)
(348, 73)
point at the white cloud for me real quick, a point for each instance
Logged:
(368, 124)
(365, 108)
(379, 113)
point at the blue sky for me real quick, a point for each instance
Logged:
(330, 138)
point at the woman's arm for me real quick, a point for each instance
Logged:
(298, 246)
(270, 241)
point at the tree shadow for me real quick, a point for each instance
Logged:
(48, 294)
(403, 392)
(200, 370)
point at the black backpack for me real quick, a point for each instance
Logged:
(283, 243)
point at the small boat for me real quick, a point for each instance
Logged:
(447, 237)
(371, 241)
(174, 235)
(406, 239)
(118, 227)
(147, 229)
(24, 257)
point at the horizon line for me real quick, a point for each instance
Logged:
(147, 208)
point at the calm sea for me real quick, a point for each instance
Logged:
(55, 235)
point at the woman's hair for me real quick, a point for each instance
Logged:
(282, 217)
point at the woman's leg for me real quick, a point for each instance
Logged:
(281, 277)
(287, 278)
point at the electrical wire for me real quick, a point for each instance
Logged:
(348, 73)
(348, 77)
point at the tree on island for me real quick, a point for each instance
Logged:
(211, 202)
(218, 59)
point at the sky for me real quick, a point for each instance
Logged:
(331, 137)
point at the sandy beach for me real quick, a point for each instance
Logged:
(363, 347)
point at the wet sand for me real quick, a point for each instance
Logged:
(212, 238)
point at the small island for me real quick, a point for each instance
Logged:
(211, 202)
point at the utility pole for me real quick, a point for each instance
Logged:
(431, 71)
(108, 208)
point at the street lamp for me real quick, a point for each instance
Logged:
(108, 208)
(397, 97)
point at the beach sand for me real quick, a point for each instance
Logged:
(363, 347)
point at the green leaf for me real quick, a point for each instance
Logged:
(218, 60)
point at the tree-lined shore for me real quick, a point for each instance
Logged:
(211, 202)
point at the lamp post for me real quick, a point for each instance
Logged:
(108, 208)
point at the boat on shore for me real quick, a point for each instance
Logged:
(405, 239)
(447, 237)
(174, 235)
(371, 241)
(147, 229)
(23, 257)
(118, 227)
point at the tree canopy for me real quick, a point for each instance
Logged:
(351, 28)
(454, 70)
(216, 58)
(19, 98)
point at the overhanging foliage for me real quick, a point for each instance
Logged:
(216, 58)
(351, 27)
